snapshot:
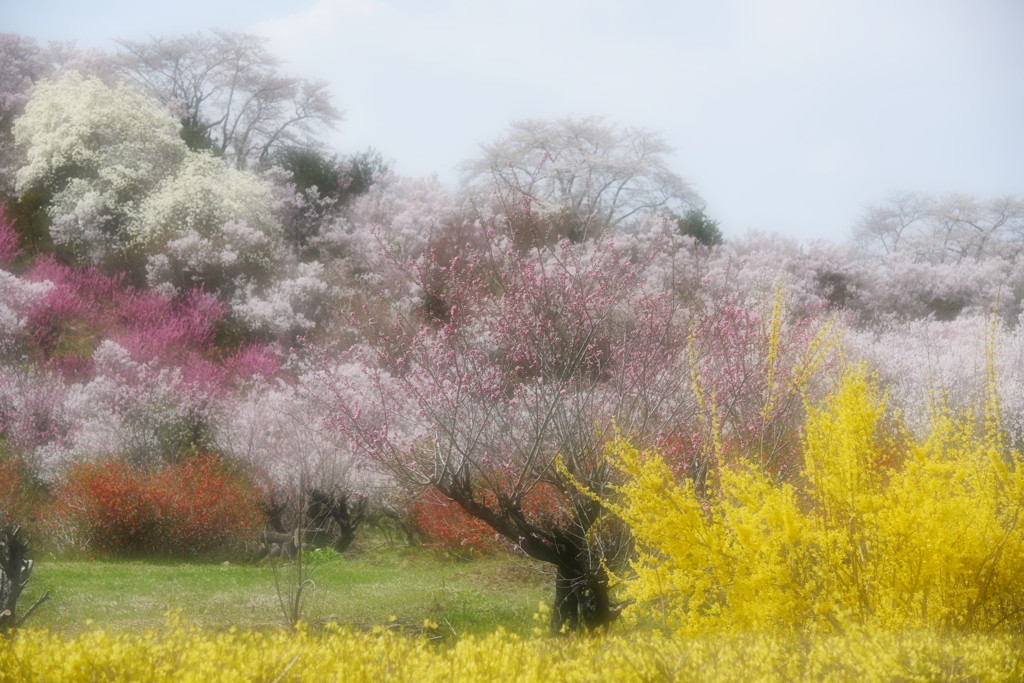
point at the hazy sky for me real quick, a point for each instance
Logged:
(786, 115)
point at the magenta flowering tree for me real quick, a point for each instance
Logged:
(92, 367)
(503, 384)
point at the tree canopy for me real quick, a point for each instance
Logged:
(586, 172)
(228, 93)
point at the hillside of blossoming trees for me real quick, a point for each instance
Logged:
(211, 326)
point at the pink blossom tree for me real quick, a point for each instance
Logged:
(510, 374)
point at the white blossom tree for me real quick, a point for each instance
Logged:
(100, 151)
(208, 225)
(309, 475)
(22, 63)
(226, 90)
(945, 229)
(126, 191)
(582, 171)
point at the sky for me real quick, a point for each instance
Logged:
(786, 116)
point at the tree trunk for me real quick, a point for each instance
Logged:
(581, 583)
(581, 599)
(327, 510)
(15, 569)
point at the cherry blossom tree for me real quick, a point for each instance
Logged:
(582, 174)
(927, 365)
(311, 478)
(227, 92)
(946, 229)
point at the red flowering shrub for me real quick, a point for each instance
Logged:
(108, 506)
(203, 506)
(190, 508)
(443, 522)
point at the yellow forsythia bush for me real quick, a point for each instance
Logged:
(930, 538)
(182, 653)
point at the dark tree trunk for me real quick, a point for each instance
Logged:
(335, 510)
(274, 511)
(582, 597)
(15, 570)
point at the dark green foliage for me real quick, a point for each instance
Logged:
(197, 136)
(29, 215)
(310, 168)
(697, 225)
(326, 184)
(359, 172)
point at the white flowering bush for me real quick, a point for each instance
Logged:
(100, 150)
(397, 214)
(918, 289)
(22, 63)
(137, 411)
(201, 196)
(924, 364)
(289, 307)
(278, 430)
(207, 225)
(33, 422)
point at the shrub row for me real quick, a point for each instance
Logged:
(198, 506)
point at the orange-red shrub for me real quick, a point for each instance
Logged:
(203, 506)
(193, 507)
(443, 522)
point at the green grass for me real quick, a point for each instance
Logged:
(389, 585)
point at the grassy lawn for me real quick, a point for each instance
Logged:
(398, 585)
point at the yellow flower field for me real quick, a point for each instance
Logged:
(180, 652)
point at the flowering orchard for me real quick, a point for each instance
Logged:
(750, 437)
(515, 358)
